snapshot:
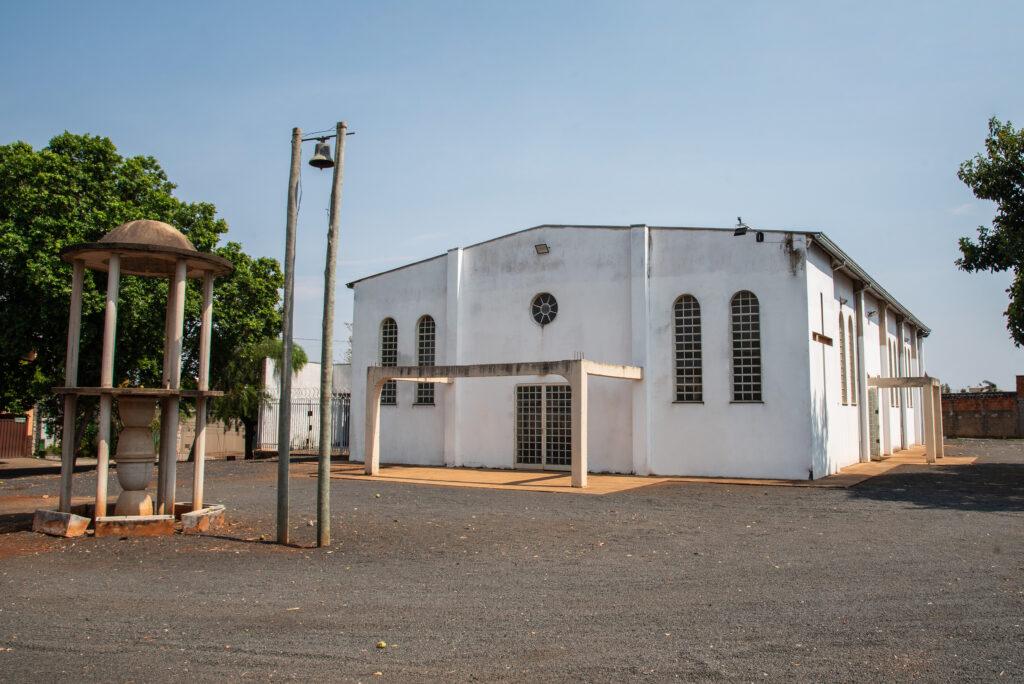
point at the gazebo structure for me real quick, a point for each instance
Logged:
(156, 250)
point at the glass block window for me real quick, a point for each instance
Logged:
(544, 308)
(746, 347)
(853, 360)
(689, 361)
(425, 352)
(529, 425)
(843, 377)
(557, 425)
(389, 357)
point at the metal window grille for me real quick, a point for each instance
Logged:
(389, 357)
(544, 426)
(746, 347)
(425, 354)
(853, 361)
(689, 361)
(843, 378)
(529, 425)
(544, 308)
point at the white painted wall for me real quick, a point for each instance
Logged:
(616, 287)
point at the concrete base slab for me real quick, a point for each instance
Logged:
(59, 524)
(203, 520)
(135, 526)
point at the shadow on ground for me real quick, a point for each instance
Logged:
(15, 522)
(975, 487)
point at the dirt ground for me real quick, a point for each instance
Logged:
(915, 575)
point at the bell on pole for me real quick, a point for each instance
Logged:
(322, 155)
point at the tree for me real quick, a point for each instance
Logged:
(76, 189)
(998, 176)
(245, 393)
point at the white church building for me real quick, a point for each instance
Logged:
(755, 349)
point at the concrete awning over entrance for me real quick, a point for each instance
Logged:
(575, 371)
(932, 394)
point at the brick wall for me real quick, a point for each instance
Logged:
(983, 414)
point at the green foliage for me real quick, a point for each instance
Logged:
(75, 190)
(998, 176)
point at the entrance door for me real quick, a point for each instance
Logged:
(544, 426)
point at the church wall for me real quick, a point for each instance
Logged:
(719, 437)
(408, 433)
(587, 271)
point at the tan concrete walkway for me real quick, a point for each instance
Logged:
(548, 481)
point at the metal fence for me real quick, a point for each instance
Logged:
(305, 423)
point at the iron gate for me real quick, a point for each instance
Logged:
(305, 423)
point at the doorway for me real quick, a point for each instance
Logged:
(544, 426)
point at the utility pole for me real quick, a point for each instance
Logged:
(284, 423)
(323, 493)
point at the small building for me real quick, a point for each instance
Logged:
(305, 407)
(755, 348)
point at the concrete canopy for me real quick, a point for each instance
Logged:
(575, 371)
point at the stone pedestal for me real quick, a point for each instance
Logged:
(135, 456)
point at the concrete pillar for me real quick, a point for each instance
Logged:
(371, 459)
(450, 355)
(863, 416)
(107, 380)
(884, 394)
(578, 382)
(901, 370)
(940, 446)
(640, 314)
(198, 471)
(169, 413)
(67, 445)
(928, 408)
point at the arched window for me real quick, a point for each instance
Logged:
(389, 357)
(425, 352)
(843, 377)
(853, 360)
(746, 347)
(689, 361)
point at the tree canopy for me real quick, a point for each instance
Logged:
(74, 190)
(998, 176)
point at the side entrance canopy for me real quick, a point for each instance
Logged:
(931, 392)
(575, 371)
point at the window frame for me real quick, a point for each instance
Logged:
(426, 347)
(387, 350)
(688, 386)
(735, 375)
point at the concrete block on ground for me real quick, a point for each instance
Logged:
(203, 520)
(59, 524)
(135, 526)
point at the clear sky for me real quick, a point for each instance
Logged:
(475, 119)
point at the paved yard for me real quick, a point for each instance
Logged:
(918, 574)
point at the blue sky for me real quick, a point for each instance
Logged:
(475, 119)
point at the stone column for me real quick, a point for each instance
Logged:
(107, 380)
(169, 414)
(884, 393)
(67, 445)
(135, 456)
(374, 386)
(863, 403)
(199, 466)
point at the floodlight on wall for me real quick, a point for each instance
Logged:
(542, 248)
(741, 227)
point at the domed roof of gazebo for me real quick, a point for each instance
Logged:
(147, 248)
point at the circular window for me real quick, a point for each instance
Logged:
(544, 308)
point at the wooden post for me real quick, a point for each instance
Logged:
(284, 423)
(371, 457)
(578, 383)
(929, 424)
(67, 446)
(199, 466)
(323, 473)
(107, 380)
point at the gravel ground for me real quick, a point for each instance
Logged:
(916, 575)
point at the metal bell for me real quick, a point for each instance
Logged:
(322, 156)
